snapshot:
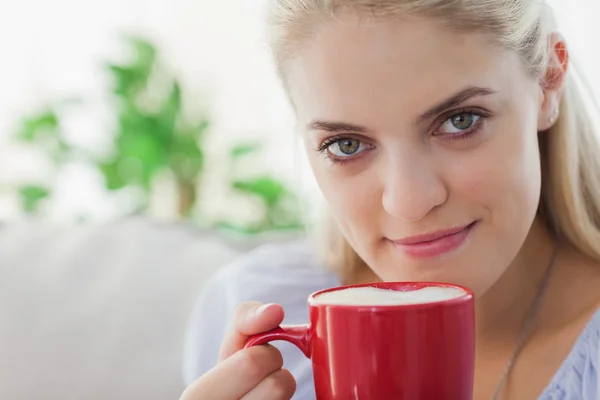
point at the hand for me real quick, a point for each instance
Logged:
(248, 374)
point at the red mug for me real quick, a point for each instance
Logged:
(422, 351)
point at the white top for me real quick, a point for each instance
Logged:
(287, 274)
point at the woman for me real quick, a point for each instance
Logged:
(459, 120)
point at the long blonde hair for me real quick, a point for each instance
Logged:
(570, 150)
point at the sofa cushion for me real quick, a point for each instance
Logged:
(99, 312)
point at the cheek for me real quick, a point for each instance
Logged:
(499, 183)
(354, 199)
(503, 177)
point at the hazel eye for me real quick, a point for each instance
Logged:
(344, 148)
(459, 123)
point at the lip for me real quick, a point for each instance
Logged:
(435, 244)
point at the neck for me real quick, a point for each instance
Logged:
(502, 310)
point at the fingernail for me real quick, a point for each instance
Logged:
(262, 308)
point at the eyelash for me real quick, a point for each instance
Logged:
(324, 149)
(472, 131)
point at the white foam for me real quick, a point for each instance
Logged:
(376, 296)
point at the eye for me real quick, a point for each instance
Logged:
(345, 147)
(459, 123)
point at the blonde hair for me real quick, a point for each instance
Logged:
(570, 150)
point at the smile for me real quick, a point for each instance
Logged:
(435, 244)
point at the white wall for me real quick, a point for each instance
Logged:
(54, 47)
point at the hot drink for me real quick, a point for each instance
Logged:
(389, 340)
(372, 296)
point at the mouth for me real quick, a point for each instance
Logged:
(435, 244)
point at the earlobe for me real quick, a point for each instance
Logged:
(554, 116)
(548, 117)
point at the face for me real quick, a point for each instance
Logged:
(424, 144)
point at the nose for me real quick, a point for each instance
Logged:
(413, 187)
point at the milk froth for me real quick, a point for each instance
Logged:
(376, 296)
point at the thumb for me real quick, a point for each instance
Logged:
(250, 318)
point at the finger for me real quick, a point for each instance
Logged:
(237, 375)
(280, 385)
(250, 318)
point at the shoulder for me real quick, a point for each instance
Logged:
(579, 376)
(595, 345)
(590, 352)
(269, 271)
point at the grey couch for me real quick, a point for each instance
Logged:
(100, 312)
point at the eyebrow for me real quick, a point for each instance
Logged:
(453, 101)
(335, 127)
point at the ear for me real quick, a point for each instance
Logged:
(551, 84)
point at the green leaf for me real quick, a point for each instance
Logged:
(132, 77)
(126, 83)
(244, 149)
(45, 123)
(112, 176)
(43, 130)
(32, 196)
(145, 52)
(169, 114)
(269, 189)
(140, 156)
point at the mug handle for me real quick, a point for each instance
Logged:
(298, 335)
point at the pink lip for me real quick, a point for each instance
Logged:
(434, 244)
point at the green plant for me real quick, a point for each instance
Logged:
(279, 207)
(153, 133)
(41, 129)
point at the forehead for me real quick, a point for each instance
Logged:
(356, 69)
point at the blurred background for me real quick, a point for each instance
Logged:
(161, 108)
(143, 145)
